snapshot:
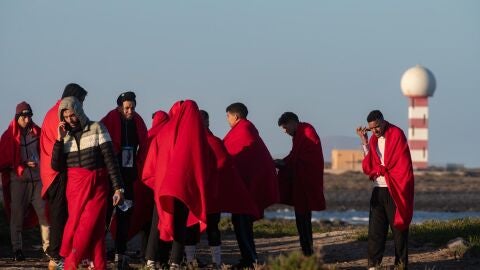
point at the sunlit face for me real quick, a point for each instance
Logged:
(290, 127)
(232, 119)
(377, 127)
(127, 109)
(24, 120)
(71, 119)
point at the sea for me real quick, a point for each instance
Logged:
(356, 217)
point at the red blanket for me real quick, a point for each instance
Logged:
(178, 159)
(143, 196)
(254, 163)
(148, 169)
(398, 172)
(159, 119)
(47, 140)
(84, 233)
(301, 180)
(226, 191)
(10, 160)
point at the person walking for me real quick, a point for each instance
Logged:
(19, 148)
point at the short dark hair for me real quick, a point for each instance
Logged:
(74, 90)
(204, 114)
(286, 117)
(238, 108)
(374, 116)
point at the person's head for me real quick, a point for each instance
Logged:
(74, 90)
(376, 123)
(70, 110)
(126, 104)
(288, 121)
(205, 118)
(236, 112)
(159, 117)
(23, 114)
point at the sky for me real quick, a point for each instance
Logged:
(331, 62)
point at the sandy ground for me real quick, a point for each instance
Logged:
(338, 250)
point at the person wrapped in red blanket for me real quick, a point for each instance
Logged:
(388, 164)
(84, 151)
(53, 182)
(301, 176)
(129, 137)
(257, 170)
(156, 250)
(225, 193)
(21, 183)
(180, 156)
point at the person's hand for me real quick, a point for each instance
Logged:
(362, 133)
(117, 197)
(31, 164)
(62, 132)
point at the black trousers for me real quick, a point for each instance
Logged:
(58, 210)
(243, 227)
(382, 212)
(180, 215)
(213, 233)
(123, 219)
(304, 227)
(157, 249)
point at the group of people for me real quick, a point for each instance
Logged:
(174, 180)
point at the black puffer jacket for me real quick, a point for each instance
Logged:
(89, 147)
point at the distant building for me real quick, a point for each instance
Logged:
(418, 84)
(347, 159)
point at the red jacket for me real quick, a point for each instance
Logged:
(254, 163)
(398, 172)
(301, 180)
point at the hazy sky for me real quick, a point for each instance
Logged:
(331, 62)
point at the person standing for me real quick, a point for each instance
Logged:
(257, 170)
(156, 250)
(225, 193)
(388, 164)
(178, 165)
(129, 133)
(19, 159)
(84, 151)
(301, 176)
(54, 182)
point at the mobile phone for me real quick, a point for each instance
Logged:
(68, 128)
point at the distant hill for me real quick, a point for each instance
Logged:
(338, 142)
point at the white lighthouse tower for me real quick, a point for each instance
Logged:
(418, 84)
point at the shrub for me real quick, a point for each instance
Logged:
(293, 261)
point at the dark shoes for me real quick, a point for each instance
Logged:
(122, 265)
(18, 255)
